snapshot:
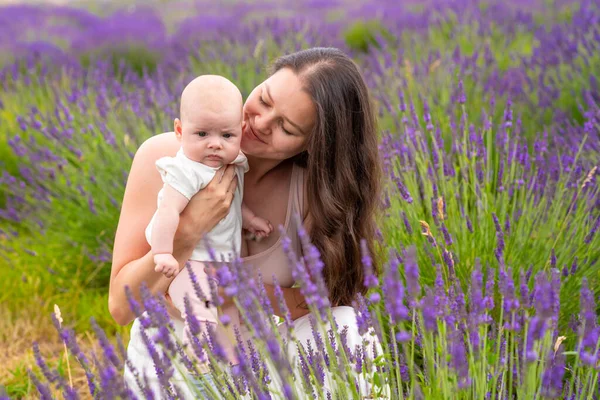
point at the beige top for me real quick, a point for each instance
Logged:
(274, 261)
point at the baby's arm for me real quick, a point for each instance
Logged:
(257, 226)
(163, 230)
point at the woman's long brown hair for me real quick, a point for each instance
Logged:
(343, 167)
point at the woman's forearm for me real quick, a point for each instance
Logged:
(294, 300)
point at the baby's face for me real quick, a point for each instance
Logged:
(212, 138)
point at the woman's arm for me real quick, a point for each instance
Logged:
(294, 300)
(132, 259)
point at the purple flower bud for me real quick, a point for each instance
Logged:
(404, 191)
(458, 360)
(49, 375)
(508, 114)
(462, 97)
(449, 260)
(406, 223)
(371, 280)
(469, 225)
(590, 236)
(22, 123)
(393, 293)
(282, 304)
(363, 315)
(499, 252)
(411, 273)
(429, 311)
(574, 266)
(374, 297)
(447, 237)
(403, 336)
(44, 390)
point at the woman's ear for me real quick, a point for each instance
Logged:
(178, 128)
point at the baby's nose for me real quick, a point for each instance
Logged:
(214, 143)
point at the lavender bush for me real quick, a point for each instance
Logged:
(490, 140)
(437, 341)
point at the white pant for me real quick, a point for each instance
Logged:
(141, 360)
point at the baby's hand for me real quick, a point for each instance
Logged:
(167, 264)
(259, 228)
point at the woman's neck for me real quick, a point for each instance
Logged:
(260, 168)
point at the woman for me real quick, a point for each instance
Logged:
(310, 137)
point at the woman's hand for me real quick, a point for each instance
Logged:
(206, 208)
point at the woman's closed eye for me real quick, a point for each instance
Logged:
(264, 103)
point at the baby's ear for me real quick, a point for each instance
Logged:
(178, 128)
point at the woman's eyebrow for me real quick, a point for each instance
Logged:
(284, 117)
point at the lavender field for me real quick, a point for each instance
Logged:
(489, 119)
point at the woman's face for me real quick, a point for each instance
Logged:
(278, 118)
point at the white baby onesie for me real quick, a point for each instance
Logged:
(188, 177)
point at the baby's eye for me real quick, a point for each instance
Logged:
(202, 133)
(227, 135)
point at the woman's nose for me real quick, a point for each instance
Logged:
(262, 123)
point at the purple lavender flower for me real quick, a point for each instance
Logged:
(508, 114)
(589, 330)
(574, 266)
(428, 309)
(403, 190)
(447, 237)
(411, 273)
(510, 301)
(458, 360)
(393, 293)
(371, 280)
(488, 300)
(499, 251)
(43, 389)
(469, 224)
(462, 97)
(449, 260)
(282, 305)
(590, 235)
(478, 314)
(524, 290)
(48, 374)
(363, 315)
(406, 223)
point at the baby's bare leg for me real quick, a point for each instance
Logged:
(201, 300)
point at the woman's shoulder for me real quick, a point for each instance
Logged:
(163, 144)
(154, 148)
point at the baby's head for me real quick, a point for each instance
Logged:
(210, 128)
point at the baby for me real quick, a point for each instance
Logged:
(210, 133)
